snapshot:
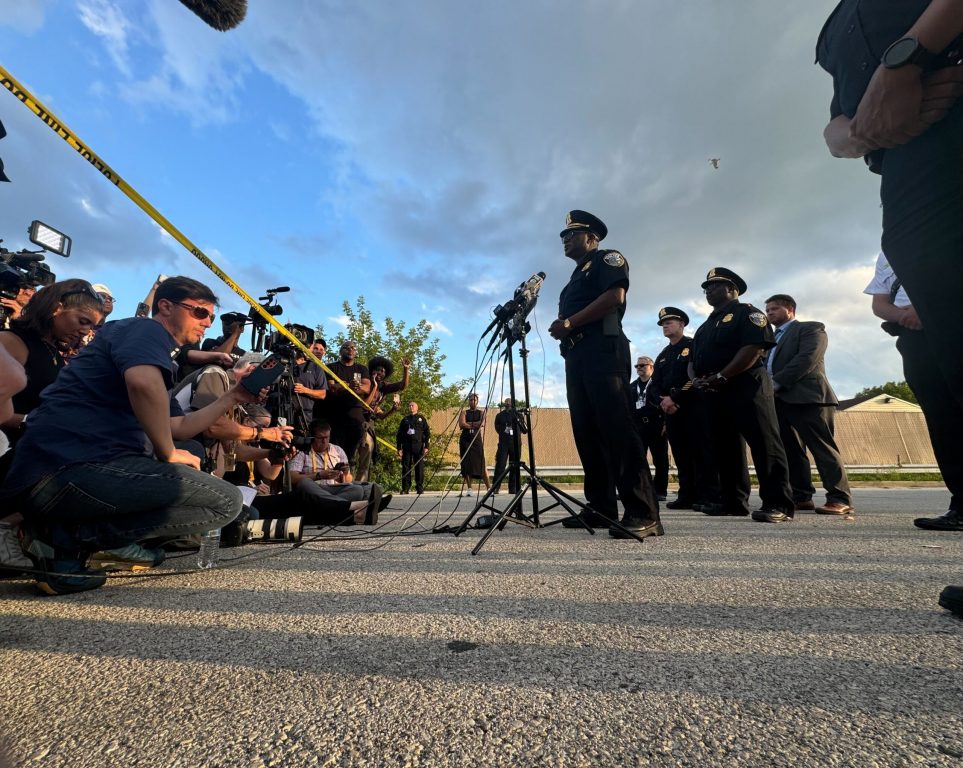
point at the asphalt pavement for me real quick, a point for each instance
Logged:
(724, 643)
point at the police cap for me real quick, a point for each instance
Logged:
(583, 220)
(672, 313)
(721, 274)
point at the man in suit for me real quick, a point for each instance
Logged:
(650, 424)
(806, 406)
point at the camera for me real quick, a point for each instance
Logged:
(280, 345)
(276, 529)
(26, 268)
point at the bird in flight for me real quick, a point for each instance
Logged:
(714, 161)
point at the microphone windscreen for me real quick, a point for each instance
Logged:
(219, 14)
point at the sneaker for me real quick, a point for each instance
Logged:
(11, 553)
(469, 492)
(61, 572)
(133, 557)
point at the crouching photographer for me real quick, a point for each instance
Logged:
(324, 492)
(81, 475)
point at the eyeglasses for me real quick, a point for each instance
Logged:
(644, 365)
(198, 312)
(106, 297)
(568, 235)
(87, 291)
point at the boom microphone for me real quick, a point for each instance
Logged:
(219, 14)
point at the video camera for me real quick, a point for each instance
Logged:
(19, 269)
(280, 345)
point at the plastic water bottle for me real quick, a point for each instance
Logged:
(207, 554)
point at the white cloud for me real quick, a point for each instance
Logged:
(107, 21)
(343, 320)
(26, 16)
(439, 327)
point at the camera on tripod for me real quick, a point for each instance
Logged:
(280, 346)
(19, 269)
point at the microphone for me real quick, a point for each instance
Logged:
(219, 14)
(528, 290)
(279, 289)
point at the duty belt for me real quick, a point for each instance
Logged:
(569, 342)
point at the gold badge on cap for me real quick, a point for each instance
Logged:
(663, 312)
(727, 318)
(712, 272)
(614, 259)
(568, 219)
(684, 352)
(759, 319)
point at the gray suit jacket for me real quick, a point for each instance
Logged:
(798, 367)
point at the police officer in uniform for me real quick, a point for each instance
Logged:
(677, 401)
(597, 362)
(727, 363)
(650, 424)
(510, 429)
(412, 443)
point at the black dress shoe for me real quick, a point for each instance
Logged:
(385, 501)
(807, 505)
(591, 519)
(951, 598)
(680, 504)
(718, 510)
(641, 528)
(771, 516)
(951, 521)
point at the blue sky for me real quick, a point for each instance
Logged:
(424, 155)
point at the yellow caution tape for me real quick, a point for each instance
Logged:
(56, 125)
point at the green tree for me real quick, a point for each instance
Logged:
(898, 389)
(396, 341)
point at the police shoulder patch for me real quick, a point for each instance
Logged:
(758, 318)
(614, 259)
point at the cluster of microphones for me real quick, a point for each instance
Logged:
(511, 315)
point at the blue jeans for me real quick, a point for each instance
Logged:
(112, 504)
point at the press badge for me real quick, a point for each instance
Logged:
(411, 431)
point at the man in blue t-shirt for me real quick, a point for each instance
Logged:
(97, 467)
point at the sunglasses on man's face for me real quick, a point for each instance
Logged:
(197, 312)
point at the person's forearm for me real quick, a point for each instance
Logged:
(938, 25)
(884, 309)
(744, 359)
(230, 341)
(195, 422)
(151, 406)
(245, 452)
(599, 308)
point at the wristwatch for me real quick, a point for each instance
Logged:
(907, 50)
(566, 323)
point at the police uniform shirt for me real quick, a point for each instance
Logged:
(671, 370)
(413, 432)
(725, 332)
(593, 276)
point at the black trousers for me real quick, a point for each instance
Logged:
(413, 463)
(654, 442)
(698, 427)
(599, 395)
(941, 408)
(744, 412)
(504, 454)
(922, 193)
(347, 431)
(677, 430)
(811, 426)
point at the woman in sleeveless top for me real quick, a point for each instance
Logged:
(55, 318)
(470, 444)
